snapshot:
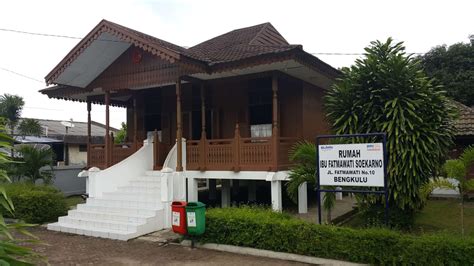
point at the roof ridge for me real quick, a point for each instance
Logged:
(265, 25)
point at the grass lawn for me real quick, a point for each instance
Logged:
(445, 216)
(442, 215)
(72, 201)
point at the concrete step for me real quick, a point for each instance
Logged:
(95, 232)
(118, 217)
(99, 224)
(117, 210)
(133, 196)
(139, 188)
(121, 203)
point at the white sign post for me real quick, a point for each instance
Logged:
(353, 165)
(359, 164)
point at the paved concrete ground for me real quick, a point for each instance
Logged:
(342, 207)
(68, 249)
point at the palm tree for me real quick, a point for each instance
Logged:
(33, 159)
(304, 155)
(10, 108)
(30, 127)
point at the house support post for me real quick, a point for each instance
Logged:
(89, 140)
(107, 129)
(277, 204)
(275, 130)
(179, 130)
(303, 198)
(212, 190)
(235, 187)
(225, 193)
(339, 194)
(252, 190)
(192, 189)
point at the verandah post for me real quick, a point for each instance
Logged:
(156, 151)
(275, 131)
(107, 128)
(135, 122)
(89, 120)
(202, 142)
(237, 148)
(179, 130)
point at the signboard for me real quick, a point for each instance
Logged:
(191, 218)
(176, 218)
(359, 164)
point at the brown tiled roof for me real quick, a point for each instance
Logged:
(465, 123)
(242, 43)
(232, 47)
(153, 40)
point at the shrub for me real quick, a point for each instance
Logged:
(264, 229)
(36, 203)
(386, 91)
(374, 216)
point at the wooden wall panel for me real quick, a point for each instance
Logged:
(291, 110)
(314, 118)
(151, 70)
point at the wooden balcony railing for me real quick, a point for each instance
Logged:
(96, 156)
(256, 154)
(160, 151)
(96, 153)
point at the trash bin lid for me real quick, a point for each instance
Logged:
(195, 205)
(178, 203)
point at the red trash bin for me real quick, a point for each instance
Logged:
(178, 217)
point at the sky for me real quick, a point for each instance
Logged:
(334, 26)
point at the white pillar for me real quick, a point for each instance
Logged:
(212, 189)
(225, 193)
(338, 194)
(252, 190)
(303, 198)
(192, 189)
(276, 196)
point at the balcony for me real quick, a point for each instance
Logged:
(239, 154)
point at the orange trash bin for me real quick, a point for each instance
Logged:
(178, 217)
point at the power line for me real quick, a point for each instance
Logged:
(79, 38)
(39, 34)
(354, 53)
(53, 35)
(21, 75)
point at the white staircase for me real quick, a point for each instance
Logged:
(130, 211)
(127, 200)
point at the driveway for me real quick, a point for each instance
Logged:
(69, 249)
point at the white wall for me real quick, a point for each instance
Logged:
(75, 156)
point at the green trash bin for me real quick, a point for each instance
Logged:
(196, 218)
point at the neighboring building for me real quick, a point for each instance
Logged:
(464, 129)
(236, 102)
(69, 144)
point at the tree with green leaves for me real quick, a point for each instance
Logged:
(453, 67)
(32, 162)
(121, 136)
(11, 107)
(11, 252)
(459, 170)
(29, 127)
(303, 154)
(387, 91)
